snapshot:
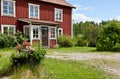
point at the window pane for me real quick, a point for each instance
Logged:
(58, 15)
(31, 10)
(27, 31)
(52, 33)
(5, 30)
(36, 11)
(11, 30)
(11, 8)
(5, 7)
(5, 11)
(35, 32)
(5, 3)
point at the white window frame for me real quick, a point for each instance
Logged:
(30, 4)
(61, 31)
(55, 11)
(2, 26)
(55, 33)
(38, 32)
(14, 8)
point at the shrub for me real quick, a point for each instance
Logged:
(109, 37)
(80, 41)
(19, 37)
(66, 41)
(10, 40)
(7, 41)
(27, 54)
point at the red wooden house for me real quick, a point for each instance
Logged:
(40, 20)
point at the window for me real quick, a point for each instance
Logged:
(8, 29)
(26, 31)
(58, 15)
(52, 32)
(8, 8)
(60, 31)
(33, 11)
(35, 32)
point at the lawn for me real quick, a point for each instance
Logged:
(74, 50)
(60, 69)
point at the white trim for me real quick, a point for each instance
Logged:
(61, 31)
(30, 4)
(14, 8)
(61, 10)
(2, 26)
(55, 33)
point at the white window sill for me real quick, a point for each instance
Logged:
(34, 17)
(8, 15)
(52, 38)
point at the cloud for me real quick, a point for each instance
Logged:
(77, 17)
(81, 7)
(116, 18)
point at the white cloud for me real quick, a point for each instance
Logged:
(80, 7)
(116, 18)
(77, 17)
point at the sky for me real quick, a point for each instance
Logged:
(95, 10)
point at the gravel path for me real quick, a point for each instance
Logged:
(89, 56)
(82, 56)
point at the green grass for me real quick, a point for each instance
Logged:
(5, 63)
(5, 59)
(59, 69)
(74, 50)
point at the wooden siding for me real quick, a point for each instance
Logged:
(52, 43)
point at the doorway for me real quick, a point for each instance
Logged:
(45, 36)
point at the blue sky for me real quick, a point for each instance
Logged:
(95, 10)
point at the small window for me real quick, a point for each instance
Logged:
(33, 11)
(53, 33)
(58, 15)
(8, 8)
(35, 32)
(26, 31)
(60, 31)
(8, 29)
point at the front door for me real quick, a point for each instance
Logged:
(44, 31)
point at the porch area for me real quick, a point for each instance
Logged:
(41, 32)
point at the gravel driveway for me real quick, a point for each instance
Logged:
(89, 56)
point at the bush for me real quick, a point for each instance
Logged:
(109, 37)
(7, 41)
(27, 54)
(10, 40)
(19, 37)
(66, 41)
(80, 41)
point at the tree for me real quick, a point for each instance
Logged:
(109, 37)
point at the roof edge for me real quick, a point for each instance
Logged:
(69, 5)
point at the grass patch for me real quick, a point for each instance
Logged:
(59, 69)
(73, 49)
(5, 60)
